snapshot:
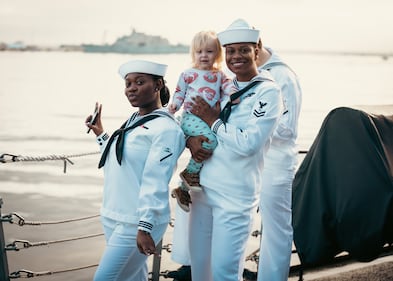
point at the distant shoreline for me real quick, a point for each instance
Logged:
(76, 48)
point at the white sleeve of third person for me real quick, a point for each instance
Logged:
(288, 124)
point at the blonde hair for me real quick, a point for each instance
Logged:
(200, 40)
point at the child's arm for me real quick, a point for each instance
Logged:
(179, 94)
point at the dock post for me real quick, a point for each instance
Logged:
(4, 273)
(157, 263)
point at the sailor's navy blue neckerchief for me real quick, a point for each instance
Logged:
(226, 111)
(130, 124)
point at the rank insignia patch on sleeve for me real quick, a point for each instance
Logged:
(260, 111)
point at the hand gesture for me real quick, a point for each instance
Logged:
(97, 125)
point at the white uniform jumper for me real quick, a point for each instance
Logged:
(277, 176)
(136, 194)
(221, 215)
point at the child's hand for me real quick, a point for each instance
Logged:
(172, 108)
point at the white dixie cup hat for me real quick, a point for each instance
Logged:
(142, 66)
(238, 32)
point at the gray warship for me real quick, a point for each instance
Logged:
(137, 43)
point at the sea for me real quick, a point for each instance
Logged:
(45, 98)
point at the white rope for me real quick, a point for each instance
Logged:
(8, 158)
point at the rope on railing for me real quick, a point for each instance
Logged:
(27, 244)
(9, 158)
(22, 221)
(23, 273)
(18, 244)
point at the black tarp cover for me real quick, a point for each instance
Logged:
(343, 189)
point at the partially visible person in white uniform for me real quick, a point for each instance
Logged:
(278, 173)
(180, 246)
(222, 213)
(138, 162)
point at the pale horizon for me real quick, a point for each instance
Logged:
(352, 26)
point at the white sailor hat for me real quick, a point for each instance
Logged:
(142, 66)
(238, 32)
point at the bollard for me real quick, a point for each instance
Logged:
(157, 263)
(4, 274)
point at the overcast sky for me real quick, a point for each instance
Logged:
(351, 25)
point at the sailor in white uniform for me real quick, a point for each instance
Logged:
(138, 162)
(221, 215)
(278, 173)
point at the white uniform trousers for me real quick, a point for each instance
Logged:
(121, 260)
(277, 232)
(180, 246)
(220, 226)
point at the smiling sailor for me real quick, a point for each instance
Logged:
(221, 215)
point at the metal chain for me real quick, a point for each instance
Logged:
(167, 247)
(253, 256)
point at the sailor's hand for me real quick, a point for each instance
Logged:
(198, 153)
(204, 111)
(146, 244)
(96, 127)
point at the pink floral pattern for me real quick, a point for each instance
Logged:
(210, 85)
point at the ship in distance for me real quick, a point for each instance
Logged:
(138, 43)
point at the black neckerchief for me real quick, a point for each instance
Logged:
(121, 133)
(226, 111)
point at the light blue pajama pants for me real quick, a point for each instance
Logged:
(194, 126)
(121, 260)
